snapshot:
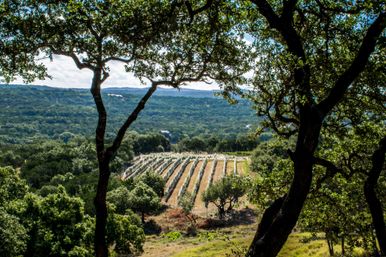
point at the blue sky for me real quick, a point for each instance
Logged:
(66, 75)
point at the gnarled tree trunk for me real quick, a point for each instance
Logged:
(375, 205)
(311, 116)
(270, 238)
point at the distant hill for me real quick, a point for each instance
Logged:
(183, 92)
(40, 111)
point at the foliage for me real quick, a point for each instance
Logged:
(215, 144)
(172, 235)
(143, 199)
(42, 160)
(274, 171)
(184, 114)
(13, 235)
(153, 180)
(125, 233)
(186, 202)
(226, 192)
(11, 186)
(341, 187)
(52, 157)
(17, 58)
(147, 143)
(119, 197)
(336, 204)
(53, 223)
(56, 225)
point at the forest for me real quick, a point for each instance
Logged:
(286, 158)
(72, 111)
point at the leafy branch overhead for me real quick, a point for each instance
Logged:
(317, 39)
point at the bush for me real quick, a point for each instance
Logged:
(144, 200)
(153, 180)
(173, 235)
(226, 192)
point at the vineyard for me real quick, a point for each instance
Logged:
(187, 172)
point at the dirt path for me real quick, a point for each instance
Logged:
(174, 174)
(163, 172)
(198, 203)
(219, 170)
(230, 163)
(173, 198)
(240, 167)
(192, 181)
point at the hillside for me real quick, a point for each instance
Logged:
(39, 111)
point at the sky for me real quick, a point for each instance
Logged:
(65, 74)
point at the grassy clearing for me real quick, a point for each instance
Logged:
(222, 242)
(293, 248)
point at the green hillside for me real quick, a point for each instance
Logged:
(37, 111)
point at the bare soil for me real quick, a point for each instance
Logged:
(173, 198)
(218, 172)
(198, 204)
(240, 167)
(174, 174)
(163, 172)
(192, 181)
(230, 166)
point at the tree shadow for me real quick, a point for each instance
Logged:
(152, 228)
(244, 216)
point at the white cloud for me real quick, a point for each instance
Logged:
(65, 74)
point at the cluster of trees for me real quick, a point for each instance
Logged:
(51, 222)
(47, 199)
(143, 195)
(212, 143)
(40, 160)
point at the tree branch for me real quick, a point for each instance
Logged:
(192, 12)
(356, 67)
(111, 151)
(288, 10)
(79, 64)
(102, 115)
(119, 59)
(292, 39)
(266, 10)
(332, 169)
(339, 10)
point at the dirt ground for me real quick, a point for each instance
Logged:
(175, 220)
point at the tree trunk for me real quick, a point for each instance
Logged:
(221, 212)
(269, 243)
(105, 156)
(330, 244)
(310, 121)
(374, 245)
(101, 249)
(343, 251)
(375, 205)
(143, 218)
(268, 216)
